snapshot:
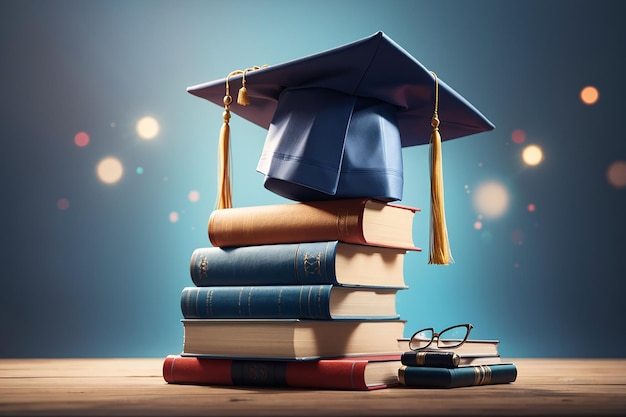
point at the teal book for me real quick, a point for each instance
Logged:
(312, 302)
(436, 377)
(307, 263)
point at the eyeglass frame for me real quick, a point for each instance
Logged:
(435, 334)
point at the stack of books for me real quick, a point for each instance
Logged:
(475, 362)
(297, 295)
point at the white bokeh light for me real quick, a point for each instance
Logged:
(109, 170)
(148, 128)
(491, 199)
(532, 155)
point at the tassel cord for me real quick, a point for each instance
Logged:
(224, 182)
(439, 253)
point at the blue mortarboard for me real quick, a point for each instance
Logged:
(337, 120)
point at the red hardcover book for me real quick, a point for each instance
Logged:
(353, 373)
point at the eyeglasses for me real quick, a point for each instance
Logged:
(449, 338)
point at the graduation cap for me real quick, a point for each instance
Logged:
(337, 122)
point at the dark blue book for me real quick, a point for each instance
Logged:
(308, 263)
(446, 359)
(436, 377)
(323, 302)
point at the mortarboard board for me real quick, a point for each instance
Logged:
(338, 120)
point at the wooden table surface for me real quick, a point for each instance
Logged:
(135, 387)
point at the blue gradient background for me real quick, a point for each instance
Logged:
(103, 278)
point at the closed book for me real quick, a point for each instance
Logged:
(328, 262)
(445, 359)
(290, 339)
(434, 377)
(361, 221)
(315, 302)
(358, 373)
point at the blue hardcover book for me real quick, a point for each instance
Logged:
(436, 377)
(299, 264)
(313, 302)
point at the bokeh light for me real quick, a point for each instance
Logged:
(193, 196)
(148, 127)
(518, 136)
(174, 217)
(616, 174)
(532, 155)
(589, 95)
(491, 199)
(531, 207)
(478, 225)
(139, 170)
(109, 170)
(63, 204)
(81, 139)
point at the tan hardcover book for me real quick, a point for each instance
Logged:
(290, 339)
(361, 221)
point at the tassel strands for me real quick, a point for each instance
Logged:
(440, 253)
(224, 193)
(224, 186)
(242, 97)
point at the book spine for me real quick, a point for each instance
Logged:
(288, 223)
(321, 374)
(431, 377)
(327, 374)
(278, 264)
(434, 359)
(188, 370)
(257, 302)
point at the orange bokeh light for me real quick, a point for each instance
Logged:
(616, 174)
(589, 95)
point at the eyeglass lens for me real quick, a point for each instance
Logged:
(449, 338)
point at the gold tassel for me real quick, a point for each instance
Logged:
(224, 187)
(439, 245)
(242, 97)
(224, 193)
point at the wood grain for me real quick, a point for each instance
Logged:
(135, 387)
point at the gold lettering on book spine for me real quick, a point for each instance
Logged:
(312, 264)
(420, 358)
(349, 226)
(487, 375)
(401, 374)
(239, 302)
(209, 303)
(477, 374)
(482, 375)
(204, 264)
